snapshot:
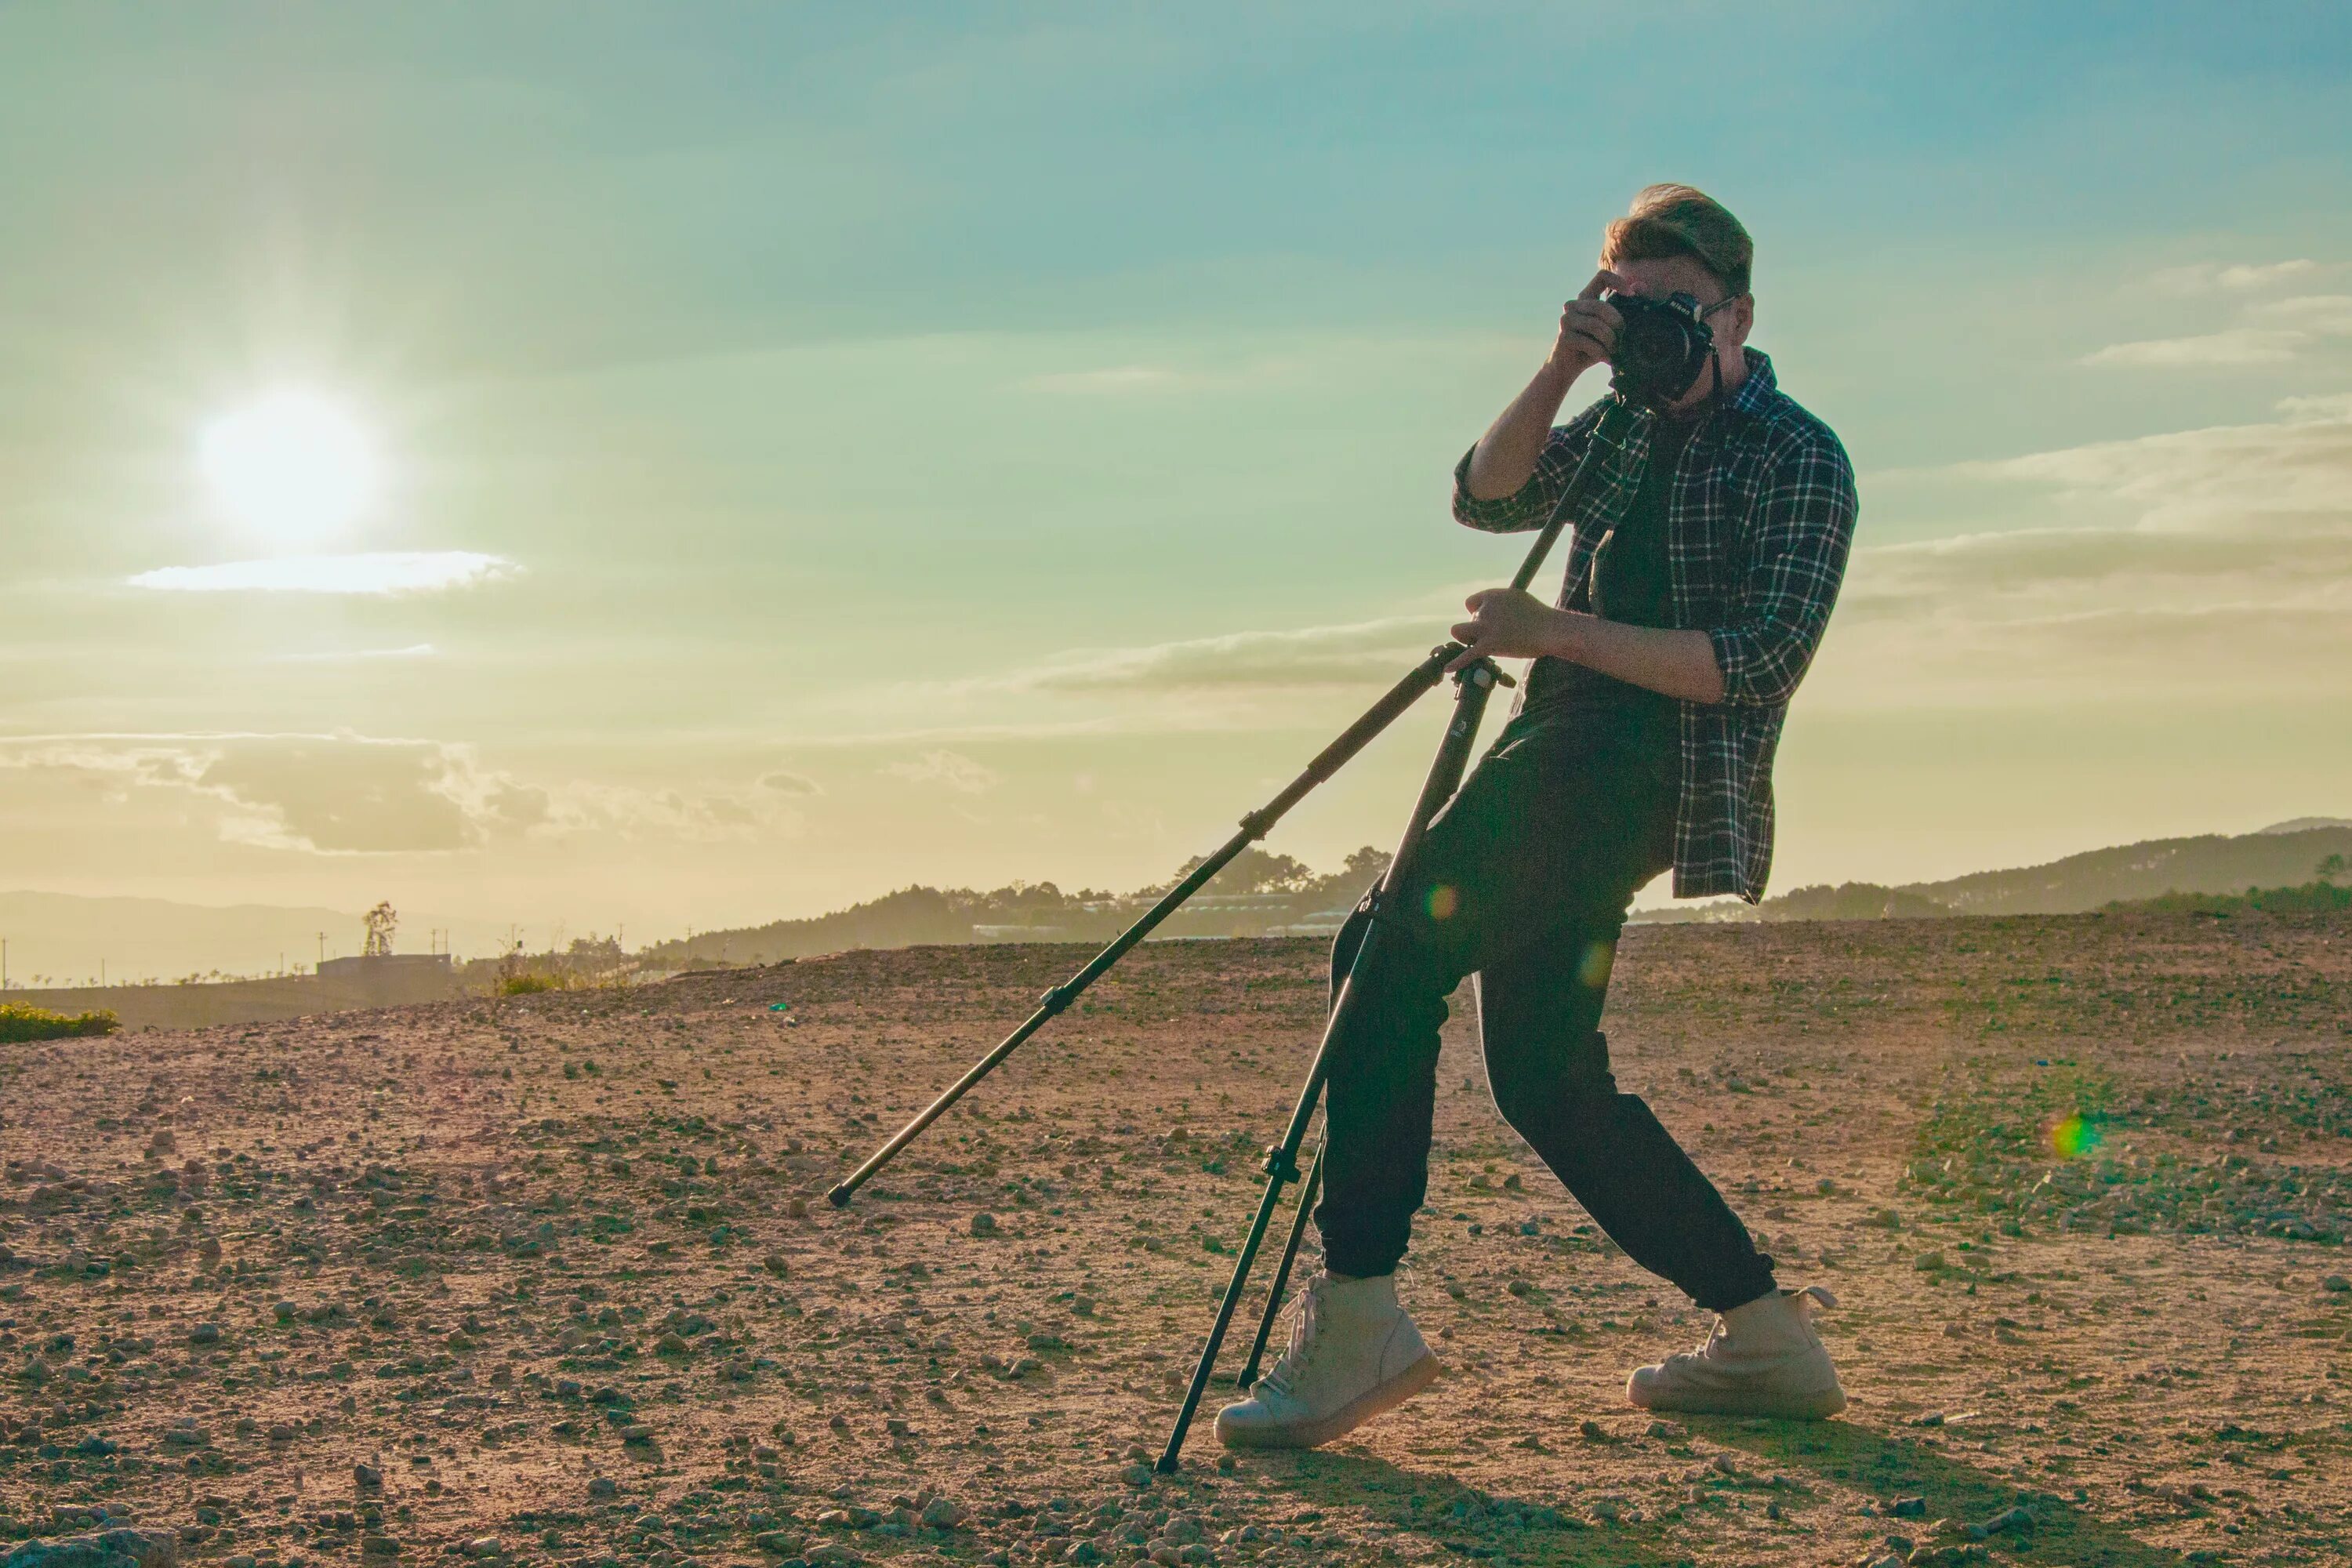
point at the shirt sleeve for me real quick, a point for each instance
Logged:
(1797, 559)
(1531, 505)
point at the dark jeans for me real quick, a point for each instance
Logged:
(1524, 880)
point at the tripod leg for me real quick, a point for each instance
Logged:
(1306, 1193)
(1477, 681)
(1255, 825)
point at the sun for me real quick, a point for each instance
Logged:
(291, 464)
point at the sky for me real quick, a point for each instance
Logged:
(653, 468)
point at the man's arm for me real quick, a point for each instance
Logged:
(1508, 455)
(1508, 623)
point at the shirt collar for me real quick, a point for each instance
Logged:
(1756, 388)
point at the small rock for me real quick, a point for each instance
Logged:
(983, 1224)
(943, 1513)
(2015, 1519)
(1665, 1429)
(367, 1475)
(1592, 1431)
(286, 1311)
(379, 1546)
(483, 1546)
(282, 1433)
(636, 1435)
(204, 1334)
(1909, 1507)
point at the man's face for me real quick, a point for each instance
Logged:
(1659, 280)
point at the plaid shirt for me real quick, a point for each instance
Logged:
(1758, 524)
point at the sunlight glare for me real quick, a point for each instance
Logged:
(291, 464)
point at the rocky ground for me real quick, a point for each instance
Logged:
(551, 1279)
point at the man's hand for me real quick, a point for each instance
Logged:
(1588, 326)
(1505, 622)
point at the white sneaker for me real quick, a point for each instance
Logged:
(1353, 1353)
(1763, 1359)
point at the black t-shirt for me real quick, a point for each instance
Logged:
(1629, 582)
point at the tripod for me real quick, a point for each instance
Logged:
(1474, 683)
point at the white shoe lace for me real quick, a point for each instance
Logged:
(1295, 1356)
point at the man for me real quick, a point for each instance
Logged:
(1711, 528)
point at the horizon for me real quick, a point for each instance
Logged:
(754, 467)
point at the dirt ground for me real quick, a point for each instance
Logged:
(551, 1279)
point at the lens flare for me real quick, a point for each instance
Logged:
(1443, 901)
(1592, 968)
(2074, 1137)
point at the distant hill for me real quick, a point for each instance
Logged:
(1257, 894)
(2284, 855)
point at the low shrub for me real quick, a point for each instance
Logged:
(23, 1021)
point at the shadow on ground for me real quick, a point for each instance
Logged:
(1468, 1522)
(1471, 1523)
(1880, 1465)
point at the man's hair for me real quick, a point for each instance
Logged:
(1678, 220)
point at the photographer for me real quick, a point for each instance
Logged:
(1711, 522)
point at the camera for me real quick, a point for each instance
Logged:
(1662, 347)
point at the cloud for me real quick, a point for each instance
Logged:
(380, 573)
(951, 769)
(2215, 561)
(2271, 332)
(2319, 315)
(2236, 346)
(1112, 380)
(1354, 653)
(784, 783)
(2234, 277)
(347, 655)
(345, 793)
